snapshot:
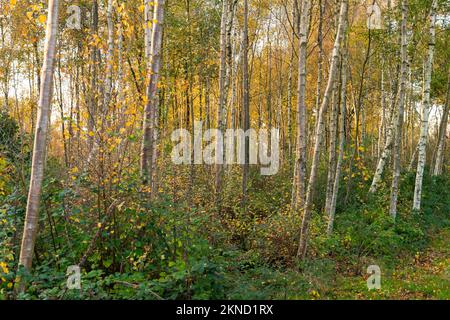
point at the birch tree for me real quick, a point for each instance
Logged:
(92, 110)
(342, 116)
(299, 183)
(153, 75)
(401, 104)
(221, 121)
(442, 134)
(245, 103)
(109, 57)
(148, 17)
(301, 253)
(426, 104)
(40, 140)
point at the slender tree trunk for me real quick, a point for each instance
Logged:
(299, 183)
(269, 82)
(289, 103)
(442, 135)
(301, 253)
(332, 148)
(151, 105)
(383, 117)
(245, 103)
(148, 17)
(61, 113)
(340, 159)
(221, 121)
(320, 54)
(92, 110)
(109, 58)
(39, 149)
(401, 103)
(426, 104)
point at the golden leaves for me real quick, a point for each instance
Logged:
(4, 267)
(42, 19)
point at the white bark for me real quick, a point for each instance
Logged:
(426, 103)
(386, 152)
(245, 103)
(150, 111)
(401, 103)
(332, 148)
(442, 135)
(39, 149)
(109, 58)
(299, 183)
(301, 253)
(148, 17)
(340, 159)
(221, 110)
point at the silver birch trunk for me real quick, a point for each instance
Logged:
(221, 110)
(332, 148)
(39, 150)
(299, 183)
(340, 159)
(401, 107)
(245, 104)
(442, 135)
(153, 74)
(301, 253)
(148, 17)
(109, 58)
(387, 149)
(426, 104)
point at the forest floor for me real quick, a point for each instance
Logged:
(424, 276)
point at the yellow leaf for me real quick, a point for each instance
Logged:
(4, 266)
(42, 18)
(30, 15)
(13, 2)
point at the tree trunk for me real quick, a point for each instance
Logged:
(148, 17)
(92, 110)
(442, 134)
(153, 74)
(401, 103)
(332, 210)
(221, 121)
(299, 183)
(38, 162)
(332, 148)
(301, 253)
(109, 58)
(426, 104)
(245, 103)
